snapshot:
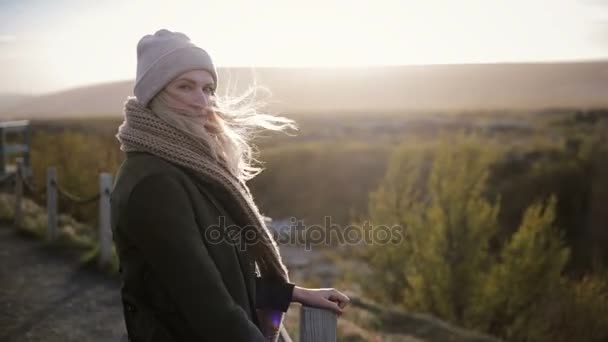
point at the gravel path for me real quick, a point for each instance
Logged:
(47, 296)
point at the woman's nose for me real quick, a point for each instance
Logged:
(202, 101)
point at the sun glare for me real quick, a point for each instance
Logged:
(98, 44)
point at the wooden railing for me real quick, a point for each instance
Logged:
(50, 194)
(316, 324)
(22, 129)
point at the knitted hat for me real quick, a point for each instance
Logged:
(164, 56)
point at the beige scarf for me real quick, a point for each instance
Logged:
(144, 131)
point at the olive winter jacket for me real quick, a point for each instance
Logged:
(177, 283)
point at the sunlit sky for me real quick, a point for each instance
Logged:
(53, 45)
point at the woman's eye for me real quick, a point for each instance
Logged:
(208, 90)
(184, 86)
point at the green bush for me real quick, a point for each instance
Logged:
(453, 263)
(525, 280)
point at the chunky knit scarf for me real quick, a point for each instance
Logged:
(144, 131)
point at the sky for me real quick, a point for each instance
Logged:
(48, 46)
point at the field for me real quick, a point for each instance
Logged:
(534, 176)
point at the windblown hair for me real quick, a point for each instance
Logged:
(233, 123)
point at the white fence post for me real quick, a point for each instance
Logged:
(105, 232)
(51, 202)
(18, 193)
(318, 325)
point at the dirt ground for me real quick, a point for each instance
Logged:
(48, 296)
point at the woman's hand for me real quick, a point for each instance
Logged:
(325, 298)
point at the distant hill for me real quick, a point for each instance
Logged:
(371, 90)
(11, 100)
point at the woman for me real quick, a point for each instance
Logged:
(197, 261)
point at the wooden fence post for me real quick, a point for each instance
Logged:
(3, 149)
(105, 232)
(18, 193)
(318, 325)
(51, 202)
(284, 335)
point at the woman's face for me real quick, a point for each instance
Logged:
(193, 92)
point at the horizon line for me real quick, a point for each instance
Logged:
(324, 67)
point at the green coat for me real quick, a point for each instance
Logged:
(176, 285)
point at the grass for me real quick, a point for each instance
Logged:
(73, 237)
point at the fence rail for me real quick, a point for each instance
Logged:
(51, 193)
(316, 324)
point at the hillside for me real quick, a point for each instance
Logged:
(377, 89)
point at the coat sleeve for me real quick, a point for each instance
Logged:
(162, 225)
(273, 294)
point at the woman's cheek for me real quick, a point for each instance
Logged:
(185, 96)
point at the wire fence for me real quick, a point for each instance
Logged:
(51, 193)
(41, 193)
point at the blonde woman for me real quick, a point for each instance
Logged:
(197, 261)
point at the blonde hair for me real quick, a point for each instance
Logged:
(229, 132)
